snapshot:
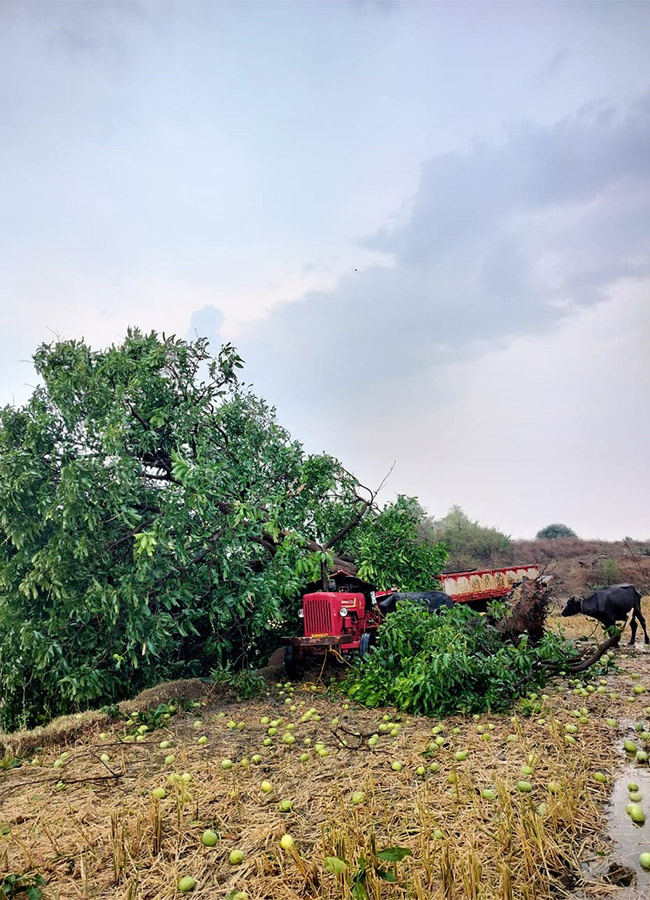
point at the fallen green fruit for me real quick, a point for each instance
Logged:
(286, 805)
(600, 776)
(286, 842)
(358, 797)
(636, 813)
(633, 786)
(524, 786)
(629, 746)
(488, 794)
(186, 884)
(209, 838)
(644, 860)
(636, 796)
(236, 857)
(396, 766)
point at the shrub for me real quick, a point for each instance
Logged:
(608, 572)
(470, 545)
(452, 662)
(556, 530)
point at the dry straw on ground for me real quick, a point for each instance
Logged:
(92, 828)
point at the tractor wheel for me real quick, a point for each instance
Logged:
(291, 664)
(365, 644)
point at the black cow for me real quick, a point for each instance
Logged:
(611, 605)
(433, 600)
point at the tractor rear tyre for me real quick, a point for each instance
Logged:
(291, 664)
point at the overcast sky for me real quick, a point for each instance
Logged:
(425, 225)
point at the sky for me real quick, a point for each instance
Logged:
(426, 227)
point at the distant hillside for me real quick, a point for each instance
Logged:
(578, 565)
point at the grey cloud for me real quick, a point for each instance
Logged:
(502, 240)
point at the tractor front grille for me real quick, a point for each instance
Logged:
(318, 616)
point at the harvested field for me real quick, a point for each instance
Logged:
(92, 828)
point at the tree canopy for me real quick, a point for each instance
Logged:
(556, 530)
(156, 521)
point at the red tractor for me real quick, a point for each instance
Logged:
(345, 618)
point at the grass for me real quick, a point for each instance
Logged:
(92, 829)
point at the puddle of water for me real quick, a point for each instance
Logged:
(629, 840)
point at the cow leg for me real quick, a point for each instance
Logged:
(633, 626)
(639, 616)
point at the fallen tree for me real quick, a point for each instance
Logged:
(156, 522)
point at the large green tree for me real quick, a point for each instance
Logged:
(155, 521)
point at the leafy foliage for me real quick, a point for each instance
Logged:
(556, 530)
(29, 886)
(454, 661)
(156, 522)
(392, 551)
(470, 544)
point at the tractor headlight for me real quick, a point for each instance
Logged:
(343, 612)
(301, 613)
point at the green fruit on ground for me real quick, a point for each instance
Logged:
(420, 770)
(105, 758)
(198, 725)
(633, 786)
(303, 757)
(358, 797)
(286, 842)
(635, 796)
(267, 742)
(434, 767)
(170, 759)
(209, 838)
(644, 860)
(396, 766)
(611, 722)
(461, 755)
(236, 857)
(186, 884)
(641, 756)
(285, 805)
(524, 786)
(438, 835)
(600, 776)
(629, 746)
(226, 764)
(256, 758)
(636, 814)
(264, 720)
(186, 777)
(159, 793)
(164, 745)
(203, 739)
(526, 770)
(488, 794)
(266, 787)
